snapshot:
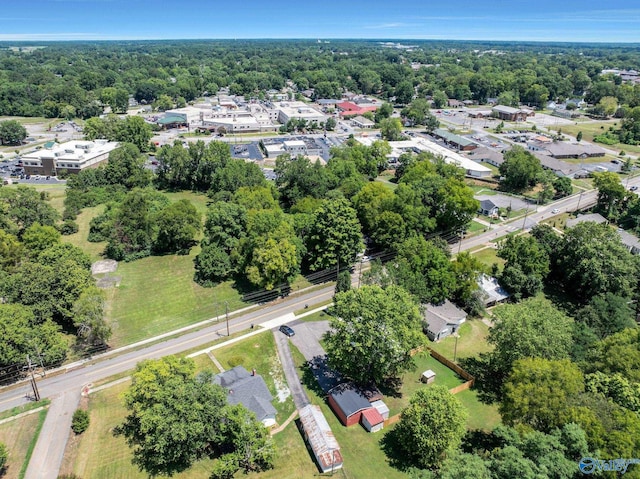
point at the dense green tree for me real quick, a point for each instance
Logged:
(370, 202)
(520, 169)
(23, 335)
(11, 251)
(116, 98)
(37, 238)
(562, 186)
(212, 265)
(391, 129)
(12, 132)
(404, 92)
(298, 178)
(533, 328)
(22, 206)
(467, 269)
(425, 270)
(593, 261)
(88, 317)
(461, 465)
(526, 267)
(611, 193)
(126, 167)
(173, 419)
(431, 426)
(607, 314)
(625, 344)
(616, 387)
(80, 421)
(372, 333)
(273, 261)
(178, 225)
(236, 174)
(335, 236)
(385, 111)
(538, 390)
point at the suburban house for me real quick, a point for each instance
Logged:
(320, 438)
(492, 292)
(490, 204)
(442, 320)
(249, 389)
(508, 113)
(349, 401)
(72, 156)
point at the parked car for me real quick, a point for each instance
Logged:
(555, 211)
(633, 188)
(286, 330)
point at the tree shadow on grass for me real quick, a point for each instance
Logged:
(391, 445)
(488, 381)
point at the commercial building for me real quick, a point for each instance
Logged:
(72, 156)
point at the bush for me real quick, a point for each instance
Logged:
(4, 455)
(69, 227)
(80, 421)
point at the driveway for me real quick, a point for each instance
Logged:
(307, 340)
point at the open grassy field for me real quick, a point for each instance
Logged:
(79, 239)
(488, 256)
(157, 294)
(20, 436)
(594, 128)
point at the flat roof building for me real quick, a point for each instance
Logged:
(72, 156)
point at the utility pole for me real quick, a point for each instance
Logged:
(34, 386)
(226, 312)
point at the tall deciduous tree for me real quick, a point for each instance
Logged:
(177, 224)
(538, 390)
(593, 261)
(173, 419)
(391, 129)
(372, 333)
(431, 426)
(88, 317)
(335, 235)
(520, 169)
(12, 132)
(532, 328)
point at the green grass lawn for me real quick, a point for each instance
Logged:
(20, 436)
(472, 341)
(79, 239)
(488, 256)
(475, 227)
(481, 415)
(259, 353)
(157, 294)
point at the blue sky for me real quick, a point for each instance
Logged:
(538, 20)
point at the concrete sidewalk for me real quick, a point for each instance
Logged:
(49, 451)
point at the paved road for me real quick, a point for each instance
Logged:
(114, 364)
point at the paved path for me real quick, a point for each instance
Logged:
(49, 450)
(300, 398)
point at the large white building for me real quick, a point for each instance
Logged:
(72, 156)
(417, 145)
(287, 110)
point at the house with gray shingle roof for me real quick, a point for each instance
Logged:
(442, 320)
(250, 390)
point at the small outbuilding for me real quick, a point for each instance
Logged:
(372, 420)
(320, 438)
(428, 376)
(382, 408)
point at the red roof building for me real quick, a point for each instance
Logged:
(348, 108)
(372, 420)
